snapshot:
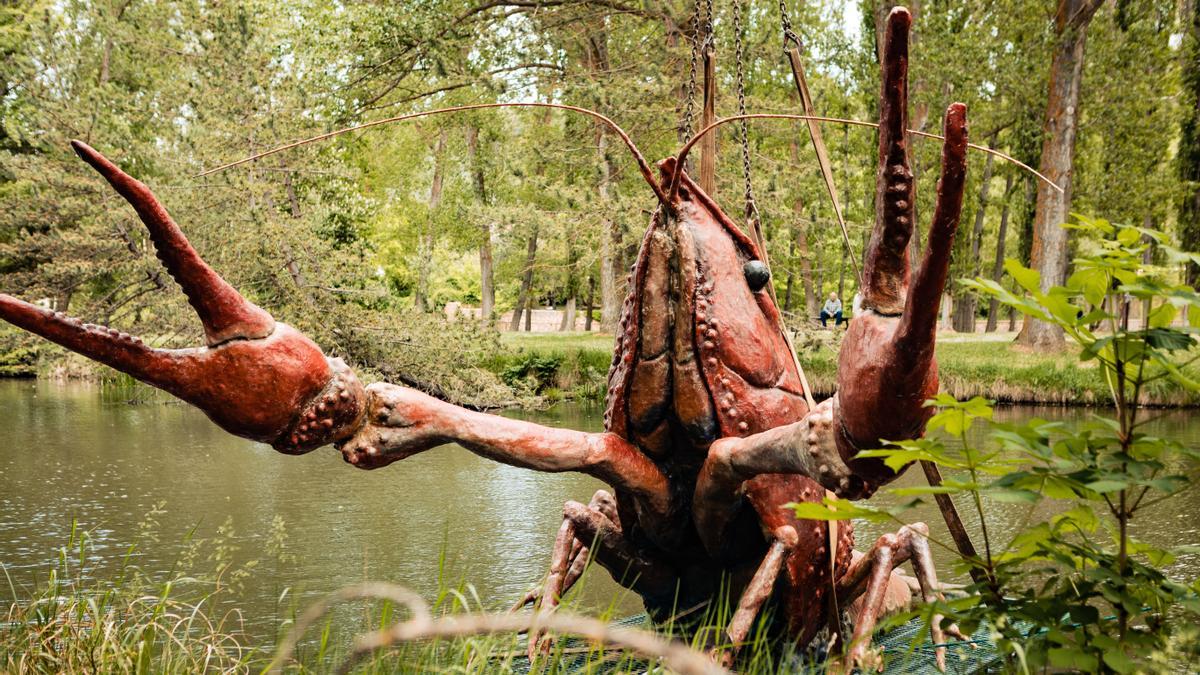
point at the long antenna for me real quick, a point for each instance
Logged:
(643, 166)
(682, 154)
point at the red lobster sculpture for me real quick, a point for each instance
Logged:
(708, 432)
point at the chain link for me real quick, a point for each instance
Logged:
(786, 23)
(689, 109)
(710, 36)
(739, 60)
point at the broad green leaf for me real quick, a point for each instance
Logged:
(1168, 339)
(1162, 315)
(1116, 659)
(1026, 278)
(1013, 495)
(1129, 236)
(1092, 282)
(1074, 658)
(1105, 486)
(1081, 516)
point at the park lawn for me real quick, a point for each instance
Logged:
(987, 365)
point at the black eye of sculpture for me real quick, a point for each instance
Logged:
(757, 274)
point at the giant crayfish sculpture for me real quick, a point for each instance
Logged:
(708, 434)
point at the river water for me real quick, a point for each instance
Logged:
(83, 456)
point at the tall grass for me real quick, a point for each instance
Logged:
(85, 617)
(129, 623)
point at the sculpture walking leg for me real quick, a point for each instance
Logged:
(870, 582)
(628, 566)
(807, 447)
(757, 592)
(580, 554)
(571, 553)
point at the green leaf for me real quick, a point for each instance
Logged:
(1074, 658)
(840, 510)
(1129, 236)
(1116, 659)
(1162, 315)
(1081, 516)
(1013, 495)
(1104, 486)
(1026, 278)
(1168, 339)
(1092, 282)
(933, 490)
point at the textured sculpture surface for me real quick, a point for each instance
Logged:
(708, 433)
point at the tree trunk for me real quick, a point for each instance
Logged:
(842, 272)
(425, 246)
(1147, 260)
(524, 301)
(806, 271)
(801, 244)
(817, 254)
(1049, 253)
(1189, 147)
(568, 319)
(998, 268)
(591, 303)
(487, 274)
(293, 266)
(791, 278)
(964, 300)
(611, 266)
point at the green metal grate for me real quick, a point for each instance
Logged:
(901, 655)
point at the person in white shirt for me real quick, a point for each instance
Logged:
(832, 310)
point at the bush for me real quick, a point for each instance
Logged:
(1076, 590)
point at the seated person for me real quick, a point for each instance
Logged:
(832, 310)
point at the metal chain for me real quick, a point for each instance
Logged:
(690, 105)
(710, 38)
(786, 23)
(739, 58)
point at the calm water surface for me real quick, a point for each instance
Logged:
(83, 454)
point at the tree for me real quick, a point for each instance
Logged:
(1189, 141)
(1049, 253)
(487, 279)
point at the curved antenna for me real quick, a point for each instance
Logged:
(643, 166)
(682, 154)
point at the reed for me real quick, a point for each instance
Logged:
(186, 620)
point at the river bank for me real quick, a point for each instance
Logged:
(574, 366)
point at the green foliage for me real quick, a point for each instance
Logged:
(536, 370)
(1075, 588)
(18, 356)
(321, 232)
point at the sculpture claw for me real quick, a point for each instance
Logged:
(886, 367)
(113, 348)
(886, 267)
(226, 315)
(257, 379)
(921, 309)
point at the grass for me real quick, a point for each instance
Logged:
(185, 620)
(987, 365)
